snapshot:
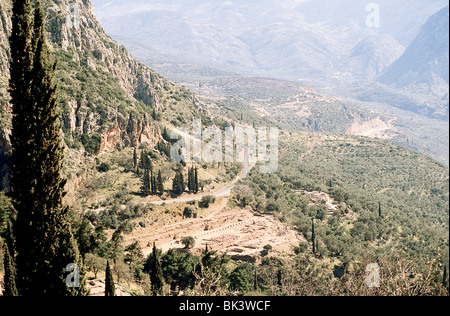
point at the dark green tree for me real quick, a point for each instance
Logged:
(240, 279)
(10, 273)
(178, 269)
(160, 184)
(110, 288)
(135, 159)
(193, 180)
(44, 242)
(313, 238)
(84, 235)
(146, 188)
(156, 275)
(116, 247)
(444, 279)
(196, 184)
(190, 182)
(188, 242)
(154, 187)
(135, 259)
(178, 184)
(6, 211)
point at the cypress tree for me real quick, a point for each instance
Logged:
(379, 209)
(19, 88)
(10, 274)
(313, 237)
(444, 280)
(156, 274)
(160, 183)
(178, 184)
(43, 237)
(146, 183)
(196, 181)
(110, 288)
(154, 185)
(279, 277)
(189, 184)
(135, 159)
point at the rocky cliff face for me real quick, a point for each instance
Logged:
(108, 99)
(105, 92)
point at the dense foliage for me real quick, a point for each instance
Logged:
(392, 199)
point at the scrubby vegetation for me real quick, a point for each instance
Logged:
(395, 202)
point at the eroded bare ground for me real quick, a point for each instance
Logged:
(241, 233)
(97, 288)
(324, 199)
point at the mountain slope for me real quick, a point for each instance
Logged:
(428, 54)
(361, 173)
(102, 86)
(293, 40)
(109, 100)
(371, 56)
(424, 67)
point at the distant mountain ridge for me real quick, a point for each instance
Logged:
(289, 39)
(424, 67)
(373, 55)
(428, 54)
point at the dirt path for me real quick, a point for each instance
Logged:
(223, 192)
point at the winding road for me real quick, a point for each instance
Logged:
(223, 192)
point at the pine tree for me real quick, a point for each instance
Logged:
(156, 275)
(110, 288)
(44, 244)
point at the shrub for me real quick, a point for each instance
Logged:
(104, 167)
(188, 212)
(91, 144)
(206, 201)
(188, 242)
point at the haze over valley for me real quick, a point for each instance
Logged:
(332, 46)
(224, 148)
